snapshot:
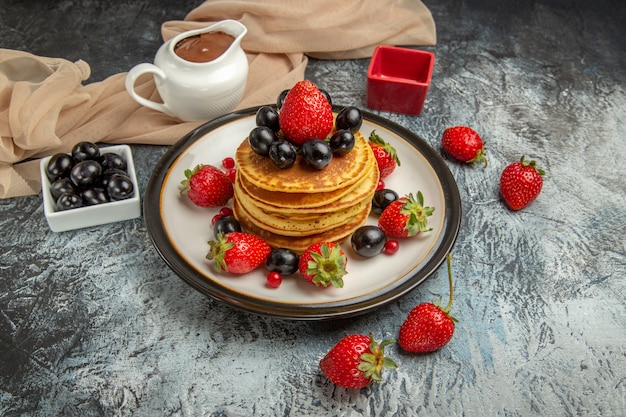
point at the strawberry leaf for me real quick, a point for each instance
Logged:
(418, 214)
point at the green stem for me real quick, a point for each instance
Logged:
(449, 260)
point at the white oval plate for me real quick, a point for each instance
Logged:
(180, 230)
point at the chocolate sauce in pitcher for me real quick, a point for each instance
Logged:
(204, 47)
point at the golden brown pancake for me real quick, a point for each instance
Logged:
(299, 243)
(341, 172)
(310, 203)
(298, 206)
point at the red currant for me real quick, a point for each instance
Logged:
(391, 247)
(228, 163)
(381, 185)
(226, 211)
(231, 174)
(216, 218)
(274, 279)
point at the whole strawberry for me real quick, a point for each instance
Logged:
(428, 327)
(356, 361)
(520, 184)
(305, 114)
(323, 264)
(237, 252)
(386, 155)
(207, 186)
(405, 217)
(464, 144)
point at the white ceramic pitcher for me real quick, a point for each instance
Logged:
(193, 91)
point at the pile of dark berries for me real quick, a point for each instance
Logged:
(87, 177)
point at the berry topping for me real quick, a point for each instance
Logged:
(305, 114)
(317, 153)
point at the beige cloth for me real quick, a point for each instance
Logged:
(45, 108)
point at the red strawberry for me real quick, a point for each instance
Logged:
(428, 327)
(306, 113)
(356, 361)
(520, 184)
(238, 252)
(464, 144)
(386, 155)
(207, 186)
(405, 217)
(323, 264)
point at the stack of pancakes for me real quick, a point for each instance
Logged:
(298, 206)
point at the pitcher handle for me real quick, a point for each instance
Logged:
(132, 77)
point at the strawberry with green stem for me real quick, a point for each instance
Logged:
(323, 264)
(428, 326)
(356, 361)
(207, 186)
(464, 144)
(521, 183)
(385, 154)
(237, 252)
(405, 217)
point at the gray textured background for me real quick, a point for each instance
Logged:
(92, 322)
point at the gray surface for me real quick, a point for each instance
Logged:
(92, 322)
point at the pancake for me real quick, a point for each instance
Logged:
(309, 204)
(341, 172)
(299, 243)
(290, 226)
(298, 206)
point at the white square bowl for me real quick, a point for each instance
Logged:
(78, 218)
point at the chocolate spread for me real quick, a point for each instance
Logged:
(204, 47)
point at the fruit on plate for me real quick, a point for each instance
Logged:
(350, 118)
(521, 183)
(356, 361)
(207, 186)
(428, 327)
(237, 252)
(386, 155)
(405, 217)
(368, 241)
(464, 144)
(305, 113)
(323, 264)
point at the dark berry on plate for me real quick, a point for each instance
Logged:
(283, 154)
(85, 173)
(268, 117)
(342, 141)
(261, 139)
(282, 260)
(349, 118)
(59, 166)
(120, 187)
(69, 200)
(112, 160)
(325, 94)
(60, 186)
(382, 198)
(83, 151)
(94, 196)
(281, 99)
(316, 153)
(368, 241)
(225, 225)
